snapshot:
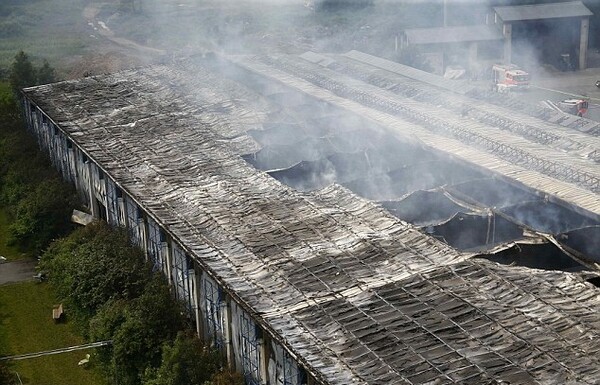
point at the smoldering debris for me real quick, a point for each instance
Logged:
(584, 240)
(423, 208)
(476, 231)
(492, 192)
(389, 169)
(547, 217)
(544, 256)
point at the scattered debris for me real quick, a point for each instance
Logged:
(84, 361)
(57, 312)
(81, 218)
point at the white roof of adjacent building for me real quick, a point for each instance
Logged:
(543, 11)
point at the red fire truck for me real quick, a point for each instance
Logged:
(577, 107)
(508, 77)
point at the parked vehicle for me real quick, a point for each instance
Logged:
(509, 77)
(577, 107)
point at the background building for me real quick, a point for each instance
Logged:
(528, 35)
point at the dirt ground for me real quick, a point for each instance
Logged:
(109, 53)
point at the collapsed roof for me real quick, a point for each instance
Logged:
(357, 295)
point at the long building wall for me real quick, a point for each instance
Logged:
(219, 319)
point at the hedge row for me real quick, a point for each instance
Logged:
(37, 200)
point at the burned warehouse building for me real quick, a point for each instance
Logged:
(344, 219)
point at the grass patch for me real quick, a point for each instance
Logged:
(50, 29)
(10, 252)
(26, 326)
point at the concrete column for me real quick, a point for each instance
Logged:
(143, 231)
(227, 331)
(106, 198)
(169, 260)
(95, 210)
(74, 168)
(445, 11)
(583, 42)
(264, 359)
(198, 298)
(507, 32)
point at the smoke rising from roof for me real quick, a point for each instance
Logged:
(310, 145)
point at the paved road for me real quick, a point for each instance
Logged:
(559, 86)
(17, 271)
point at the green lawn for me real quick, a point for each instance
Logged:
(26, 326)
(44, 29)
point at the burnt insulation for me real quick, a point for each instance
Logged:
(544, 256)
(476, 232)
(584, 240)
(423, 208)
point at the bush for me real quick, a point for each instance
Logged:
(139, 329)
(10, 117)
(226, 377)
(113, 295)
(94, 265)
(41, 214)
(185, 361)
(32, 193)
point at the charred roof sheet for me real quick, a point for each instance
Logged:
(442, 35)
(543, 11)
(431, 327)
(168, 136)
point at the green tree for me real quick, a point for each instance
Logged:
(226, 377)
(186, 361)
(138, 330)
(46, 74)
(10, 117)
(43, 214)
(96, 264)
(22, 72)
(113, 295)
